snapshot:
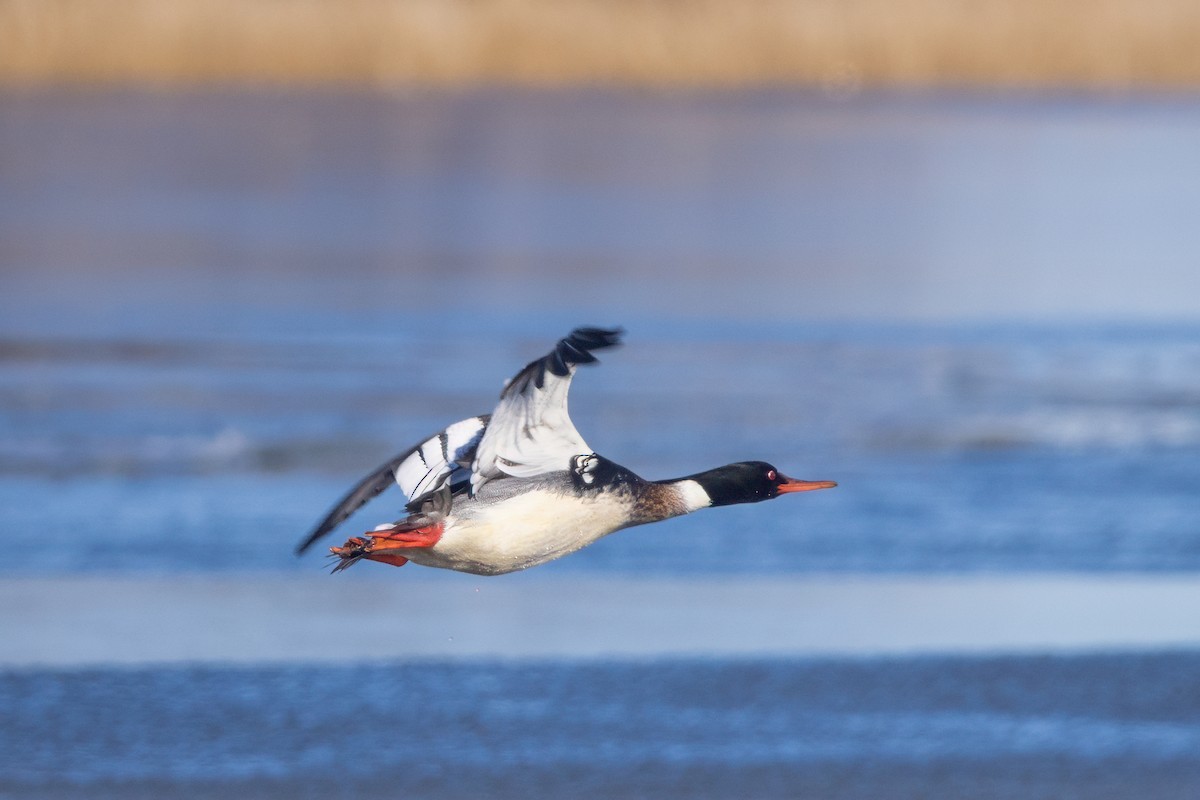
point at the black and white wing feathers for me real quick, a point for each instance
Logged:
(530, 432)
(441, 460)
(444, 459)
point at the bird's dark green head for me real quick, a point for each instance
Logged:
(751, 482)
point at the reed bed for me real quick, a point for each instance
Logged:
(837, 43)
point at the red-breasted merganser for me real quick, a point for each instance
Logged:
(500, 493)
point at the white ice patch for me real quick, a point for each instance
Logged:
(1070, 428)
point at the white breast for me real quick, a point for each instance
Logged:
(525, 531)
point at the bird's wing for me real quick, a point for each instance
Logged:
(440, 460)
(531, 432)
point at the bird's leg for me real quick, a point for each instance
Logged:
(384, 545)
(399, 537)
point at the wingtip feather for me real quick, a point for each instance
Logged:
(577, 346)
(572, 350)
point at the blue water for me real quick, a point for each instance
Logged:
(979, 315)
(1098, 726)
(1049, 450)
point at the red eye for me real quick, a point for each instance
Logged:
(771, 475)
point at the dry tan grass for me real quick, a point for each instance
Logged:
(843, 43)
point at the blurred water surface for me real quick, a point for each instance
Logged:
(979, 316)
(1040, 450)
(1032, 727)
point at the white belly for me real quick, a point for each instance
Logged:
(524, 531)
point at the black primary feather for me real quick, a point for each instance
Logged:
(576, 348)
(366, 489)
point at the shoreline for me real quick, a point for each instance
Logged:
(838, 46)
(90, 620)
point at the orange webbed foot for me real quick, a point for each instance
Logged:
(382, 545)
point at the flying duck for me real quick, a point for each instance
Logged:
(520, 487)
